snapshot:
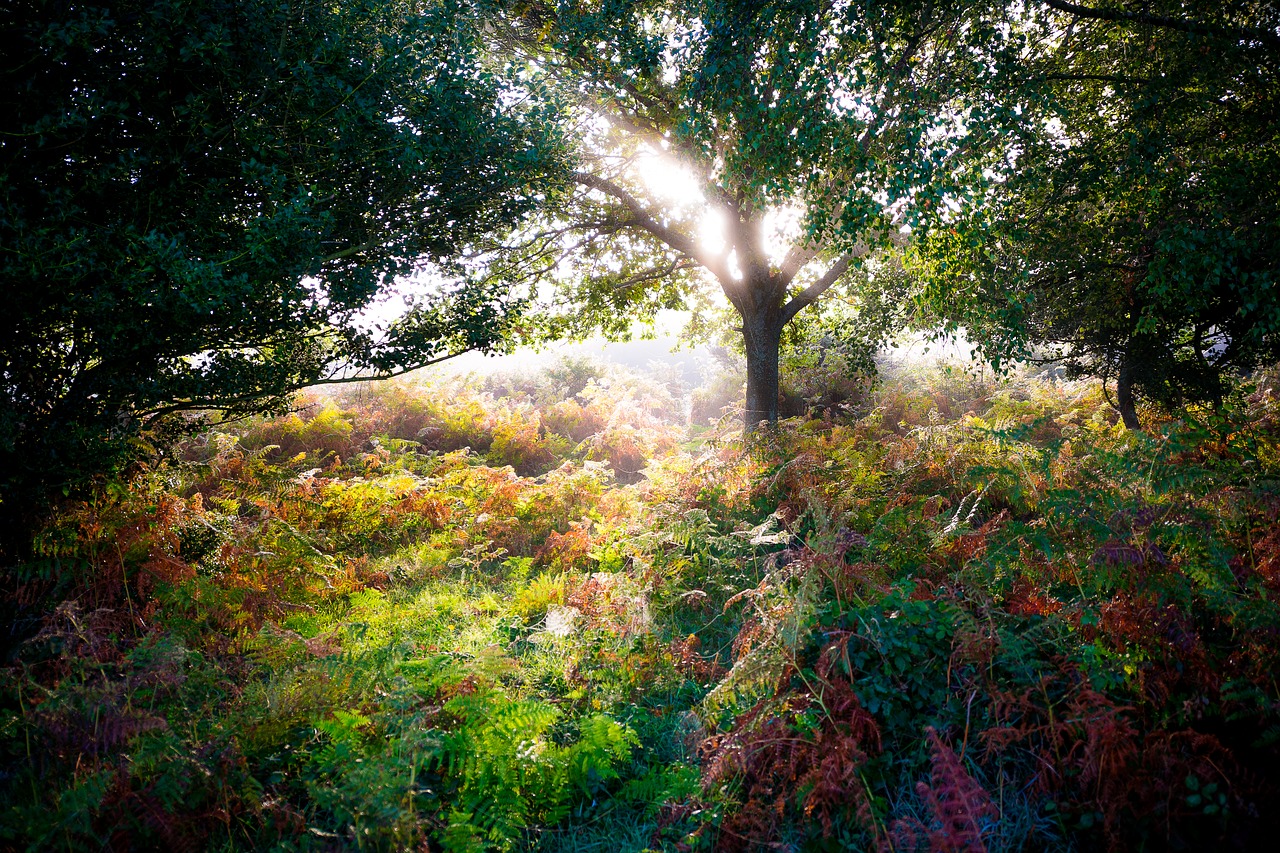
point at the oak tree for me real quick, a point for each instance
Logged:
(198, 198)
(808, 134)
(1137, 235)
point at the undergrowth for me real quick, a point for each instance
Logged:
(530, 613)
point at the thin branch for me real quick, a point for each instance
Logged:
(352, 250)
(1098, 78)
(347, 380)
(631, 125)
(1121, 16)
(238, 403)
(654, 274)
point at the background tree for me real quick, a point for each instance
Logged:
(1137, 236)
(808, 134)
(198, 199)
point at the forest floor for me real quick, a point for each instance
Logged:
(543, 613)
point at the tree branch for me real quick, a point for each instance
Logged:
(798, 256)
(1120, 16)
(353, 250)
(654, 274)
(1097, 78)
(746, 239)
(389, 374)
(642, 218)
(239, 403)
(824, 283)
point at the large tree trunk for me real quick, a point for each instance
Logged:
(762, 334)
(1126, 401)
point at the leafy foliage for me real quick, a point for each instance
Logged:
(199, 199)
(1135, 235)
(798, 139)
(972, 617)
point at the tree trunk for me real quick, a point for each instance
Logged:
(762, 334)
(1126, 402)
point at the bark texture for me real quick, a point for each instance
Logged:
(762, 336)
(1126, 400)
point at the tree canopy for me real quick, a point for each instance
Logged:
(1137, 232)
(198, 199)
(808, 134)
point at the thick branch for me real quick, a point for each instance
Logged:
(798, 256)
(824, 283)
(1120, 16)
(746, 238)
(642, 218)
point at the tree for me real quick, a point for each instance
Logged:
(813, 133)
(1138, 237)
(198, 199)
